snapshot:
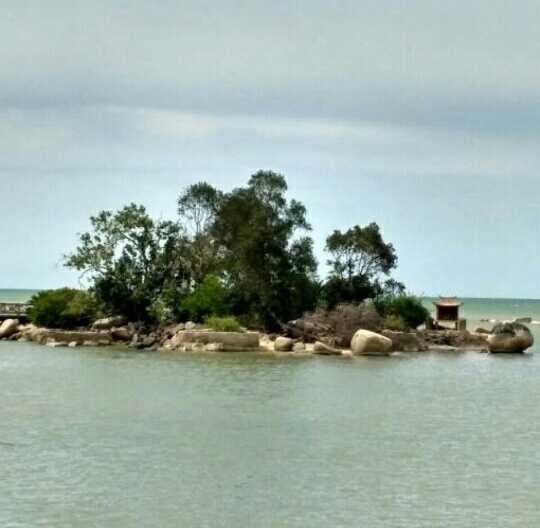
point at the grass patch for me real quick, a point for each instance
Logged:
(223, 324)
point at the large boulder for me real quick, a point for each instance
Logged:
(228, 341)
(283, 344)
(109, 322)
(8, 328)
(510, 338)
(367, 343)
(122, 333)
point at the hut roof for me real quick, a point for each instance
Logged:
(448, 301)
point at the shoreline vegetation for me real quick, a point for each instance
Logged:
(236, 271)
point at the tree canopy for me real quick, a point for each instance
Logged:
(245, 253)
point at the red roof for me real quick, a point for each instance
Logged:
(448, 301)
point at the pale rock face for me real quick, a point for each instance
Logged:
(190, 326)
(323, 349)
(213, 347)
(109, 322)
(283, 344)
(8, 328)
(370, 343)
(298, 348)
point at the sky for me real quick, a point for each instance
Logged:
(422, 116)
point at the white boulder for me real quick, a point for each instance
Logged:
(367, 343)
(8, 328)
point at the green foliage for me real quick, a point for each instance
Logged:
(208, 298)
(270, 272)
(360, 251)
(338, 290)
(358, 257)
(395, 322)
(64, 308)
(223, 324)
(161, 311)
(244, 252)
(131, 260)
(407, 307)
(198, 206)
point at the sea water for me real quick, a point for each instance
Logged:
(114, 438)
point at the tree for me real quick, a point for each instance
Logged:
(358, 257)
(209, 298)
(267, 269)
(197, 209)
(132, 260)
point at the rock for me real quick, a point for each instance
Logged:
(336, 326)
(122, 333)
(231, 341)
(213, 347)
(283, 344)
(405, 341)
(323, 349)
(8, 328)
(56, 344)
(368, 343)
(523, 320)
(73, 344)
(455, 338)
(109, 322)
(299, 348)
(265, 343)
(481, 330)
(42, 335)
(190, 326)
(510, 338)
(140, 341)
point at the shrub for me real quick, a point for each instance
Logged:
(64, 308)
(395, 322)
(223, 324)
(160, 311)
(408, 307)
(209, 298)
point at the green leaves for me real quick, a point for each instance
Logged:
(64, 308)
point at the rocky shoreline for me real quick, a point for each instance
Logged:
(190, 337)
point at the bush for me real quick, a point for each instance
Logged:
(395, 322)
(161, 312)
(408, 307)
(209, 298)
(64, 308)
(223, 324)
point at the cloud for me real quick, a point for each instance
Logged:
(455, 65)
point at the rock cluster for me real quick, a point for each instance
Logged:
(338, 326)
(510, 338)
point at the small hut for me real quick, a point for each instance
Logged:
(447, 311)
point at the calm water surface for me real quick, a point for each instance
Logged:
(115, 439)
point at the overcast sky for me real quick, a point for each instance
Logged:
(422, 116)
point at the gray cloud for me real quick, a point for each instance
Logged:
(384, 110)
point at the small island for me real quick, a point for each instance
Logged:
(236, 271)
